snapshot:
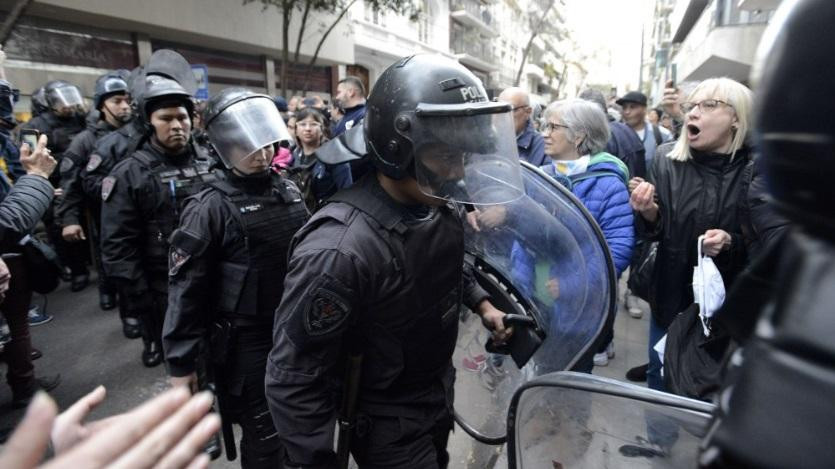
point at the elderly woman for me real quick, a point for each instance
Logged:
(693, 190)
(576, 132)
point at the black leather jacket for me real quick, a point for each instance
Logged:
(693, 196)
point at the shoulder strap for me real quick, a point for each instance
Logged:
(360, 197)
(147, 159)
(603, 157)
(659, 139)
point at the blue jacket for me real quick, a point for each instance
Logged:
(607, 199)
(531, 146)
(353, 115)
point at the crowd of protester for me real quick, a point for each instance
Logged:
(663, 176)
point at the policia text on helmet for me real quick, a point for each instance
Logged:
(432, 133)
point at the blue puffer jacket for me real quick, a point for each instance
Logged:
(602, 189)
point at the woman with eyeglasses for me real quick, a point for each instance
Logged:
(315, 179)
(693, 189)
(576, 132)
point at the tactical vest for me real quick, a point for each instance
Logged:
(175, 184)
(409, 333)
(268, 223)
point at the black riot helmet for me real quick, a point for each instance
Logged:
(39, 104)
(240, 122)
(160, 92)
(60, 93)
(107, 85)
(794, 117)
(8, 98)
(429, 117)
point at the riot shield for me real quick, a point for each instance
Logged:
(574, 420)
(541, 256)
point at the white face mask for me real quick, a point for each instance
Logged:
(572, 167)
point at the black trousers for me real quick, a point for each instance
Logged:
(72, 255)
(406, 442)
(15, 308)
(247, 403)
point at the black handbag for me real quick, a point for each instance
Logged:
(693, 362)
(43, 268)
(642, 270)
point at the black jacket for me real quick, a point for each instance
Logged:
(693, 197)
(351, 282)
(762, 224)
(23, 206)
(139, 214)
(211, 257)
(108, 151)
(71, 205)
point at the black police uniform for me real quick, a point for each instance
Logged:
(70, 211)
(141, 204)
(60, 132)
(109, 151)
(368, 275)
(227, 264)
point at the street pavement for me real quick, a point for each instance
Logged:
(86, 346)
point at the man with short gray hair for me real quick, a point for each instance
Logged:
(529, 142)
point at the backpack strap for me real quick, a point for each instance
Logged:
(659, 139)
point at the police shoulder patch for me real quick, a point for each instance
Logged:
(66, 165)
(177, 257)
(325, 312)
(107, 185)
(93, 163)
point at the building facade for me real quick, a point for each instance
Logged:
(698, 39)
(77, 40)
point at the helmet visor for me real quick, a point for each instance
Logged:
(245, 127)
(467, 157)
(65, 96)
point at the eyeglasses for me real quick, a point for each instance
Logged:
(550, 127)
(707, 105)
(524, 106)
(308, 125)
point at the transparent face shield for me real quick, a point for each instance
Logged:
(65, 97)
(466, 154)
(245, 127)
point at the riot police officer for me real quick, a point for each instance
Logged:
(378, 275)
(112, 105)
(61, 122)
(120, 144)
(227, 264)
(141, 203)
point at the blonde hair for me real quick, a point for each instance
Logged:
(732, 92)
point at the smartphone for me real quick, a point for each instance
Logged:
(31, 137)
(673, 73)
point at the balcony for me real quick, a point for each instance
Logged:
(534, 71)
(474, 51)
(721, 43)
(684, 17)
(474, 14)
(753, 5)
